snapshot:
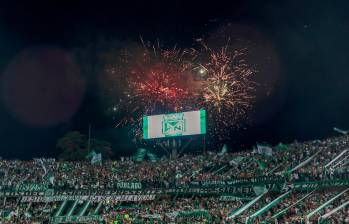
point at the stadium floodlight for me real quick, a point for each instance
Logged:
(175, 124)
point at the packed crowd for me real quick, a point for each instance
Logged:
(305, 161)
(187, 168)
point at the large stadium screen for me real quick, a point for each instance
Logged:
(176, 124)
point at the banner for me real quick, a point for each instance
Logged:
(190, 214)
(76, 219)
(151, 216)
(45, 160)
(131, 191)
(316, 185)
(245, 181)
(100, 194)
(129, 185)
(234, 198)
(30, 187)
(93, 198)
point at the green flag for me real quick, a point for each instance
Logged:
(49, 177)
(91, 154)
(140, 154)
(152, 157)
(262, 165)
(281, 147)
(224, 150)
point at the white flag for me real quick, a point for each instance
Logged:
(97, 158)
(264, 149)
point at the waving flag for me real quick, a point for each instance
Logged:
(264, 149)
(97, 159)
(281, 147)
(223, 151)
(140, 154)
(91, 154)
(152, 157)
(341, 131)
(49, 177)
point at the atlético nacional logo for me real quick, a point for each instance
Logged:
(173, 124)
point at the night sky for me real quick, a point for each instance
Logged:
(299, 47)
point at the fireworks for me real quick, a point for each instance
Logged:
(153, 80)
(228, 90)
(157, 80)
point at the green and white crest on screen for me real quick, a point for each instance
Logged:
(173, 124)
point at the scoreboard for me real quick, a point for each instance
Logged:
(175, 124)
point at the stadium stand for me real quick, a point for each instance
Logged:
(303, 182)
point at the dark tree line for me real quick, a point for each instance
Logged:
(74, 146)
